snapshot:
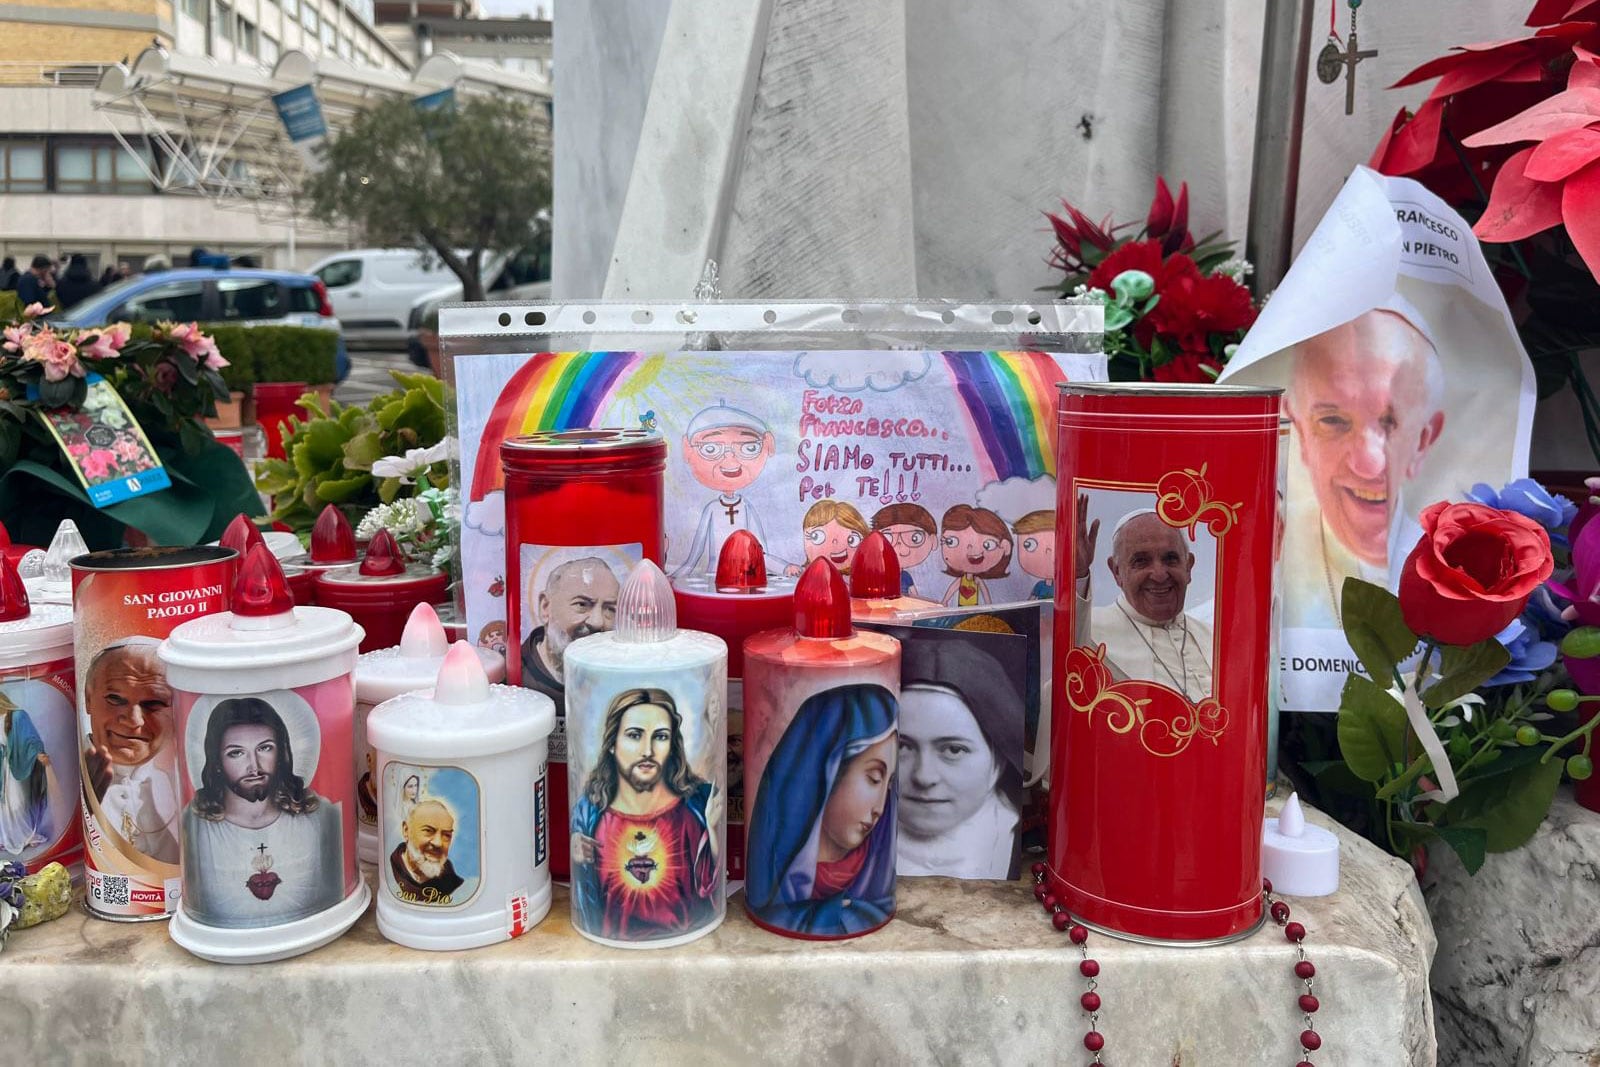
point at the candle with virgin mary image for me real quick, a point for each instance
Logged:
(821, 733)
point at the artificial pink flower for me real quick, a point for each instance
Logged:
(16, 337)
(58, 356)
(166, 376)
(107, 342)
(34, 310)
(197, 344)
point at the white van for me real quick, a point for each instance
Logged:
(373, 289)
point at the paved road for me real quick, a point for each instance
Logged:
(369, 375)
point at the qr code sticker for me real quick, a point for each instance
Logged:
(110, 889)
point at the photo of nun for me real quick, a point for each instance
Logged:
(960, 762)
(842, 737)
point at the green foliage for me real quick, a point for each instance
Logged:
(234, 342)
(473, 177)
(1500, 757)
(10, 305)
(294, 354)
(330, 453)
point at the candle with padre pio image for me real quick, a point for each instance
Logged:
(739, 600)
(39, 761)
(647, 756)
(821, 737)
(124, 602)
(264, 697)
(582, 507)
(383, 674)
(463, 809)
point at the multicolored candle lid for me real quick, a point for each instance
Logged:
(265, 643)
(475, 730)
(48, 574)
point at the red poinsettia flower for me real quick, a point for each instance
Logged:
(1168, 221)
(1188, 367)
(1193, 307)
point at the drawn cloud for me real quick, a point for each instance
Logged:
(851, 372)
(1016, 497)
(487, 516)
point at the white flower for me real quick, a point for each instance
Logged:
(445, 558)
(416, 460)
(1238, 268)
(401, 518)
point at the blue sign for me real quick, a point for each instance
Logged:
(301, 113)
(443, 100)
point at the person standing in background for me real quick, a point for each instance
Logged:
(77, 282)
(9, 274)
(34, 286)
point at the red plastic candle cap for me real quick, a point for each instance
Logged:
(241, 535)
(13, 594)
(5, 536)
(332, 539)
(742, 563)
(261, 589)
(875, 571)
(384, 559)
(821, 602)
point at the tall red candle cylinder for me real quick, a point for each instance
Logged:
(582, 506)
(1166, 510)
(740, 600)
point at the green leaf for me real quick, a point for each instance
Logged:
(388, 489)
(319, 448)
(362, 451)
(1419, 766)
(1375, 628)
(1507, 807)
(1372, 728)
(337, 491)
(1335, 776)
(1467, 842)
(1462, 670)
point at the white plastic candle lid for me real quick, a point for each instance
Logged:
(463, 715)
(47, 629)
(414, 663)
(213, 655)
(48, 574)
(1300, 860)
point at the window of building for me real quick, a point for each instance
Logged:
(346, 49)
(247, 38)
(82, 167)
(249, 298)
(290, 7)
(222, 21)
(195, 9)
(172, 301)
(308, 17)
(330, 36)
(22, 166)
(269, 50)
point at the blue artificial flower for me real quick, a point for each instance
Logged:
(1543, 614)
(1529, 654)
(1527, 497)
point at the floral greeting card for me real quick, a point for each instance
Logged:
(106, 447)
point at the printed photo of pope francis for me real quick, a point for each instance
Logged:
(1146, 595)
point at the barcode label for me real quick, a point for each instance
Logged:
(108, 889)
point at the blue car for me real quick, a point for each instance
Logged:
(237, 297)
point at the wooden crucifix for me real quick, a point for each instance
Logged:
(1331, 58)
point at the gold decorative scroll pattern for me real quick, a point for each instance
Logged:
(1164, 720)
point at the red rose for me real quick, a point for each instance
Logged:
(1472, 572)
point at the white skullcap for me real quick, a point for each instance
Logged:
(720, 416)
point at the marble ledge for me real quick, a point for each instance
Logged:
(968, 972)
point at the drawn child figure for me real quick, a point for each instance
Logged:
(726, 449)
(913, 532)
(977, 545)
(833, 529)
(1036, 551)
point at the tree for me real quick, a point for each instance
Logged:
(453, 182)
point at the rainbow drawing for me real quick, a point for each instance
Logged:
(1009, 401)
(552, 391)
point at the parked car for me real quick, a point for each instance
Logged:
(372, 289)
(235, 297)
(524, 276)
